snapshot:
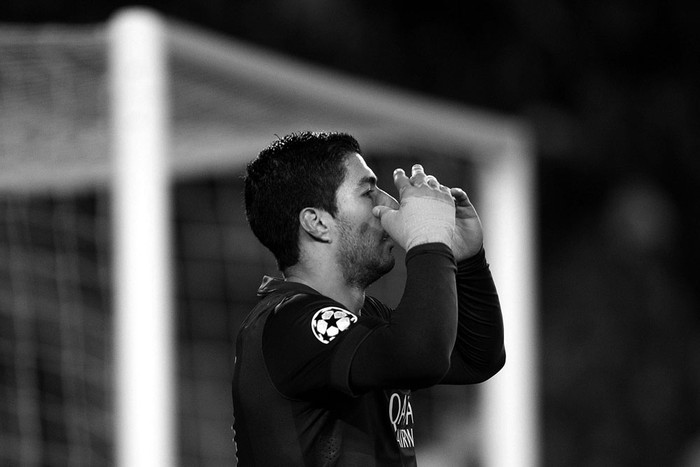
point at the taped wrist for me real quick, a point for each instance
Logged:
(428, 220)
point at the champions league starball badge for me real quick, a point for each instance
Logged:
(329, 322)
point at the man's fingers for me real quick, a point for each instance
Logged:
(418, 176)
(432, 181)
(460, 196)
(401, 181)
(418, 179)
(417, 170)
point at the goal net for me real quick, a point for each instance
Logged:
(126, 263)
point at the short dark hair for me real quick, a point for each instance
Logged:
(301, 170)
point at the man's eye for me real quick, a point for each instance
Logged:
(369, 192)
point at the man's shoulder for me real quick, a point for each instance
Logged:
(282, 298)
(275, 294)
(286, 306)
(309, 314)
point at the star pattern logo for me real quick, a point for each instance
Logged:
(329, 322)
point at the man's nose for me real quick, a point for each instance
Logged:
(385, 199)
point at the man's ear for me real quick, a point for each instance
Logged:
(314, 222)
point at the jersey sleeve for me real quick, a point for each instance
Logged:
(309, 342)
(479, 352)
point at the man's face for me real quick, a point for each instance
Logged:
(364, 248)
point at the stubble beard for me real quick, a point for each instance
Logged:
(362, 257)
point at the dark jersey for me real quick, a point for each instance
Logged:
(295, 402)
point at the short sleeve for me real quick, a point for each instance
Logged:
(309, 343)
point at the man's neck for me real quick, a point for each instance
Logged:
(331, 284)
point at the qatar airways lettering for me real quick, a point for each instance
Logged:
(401, 417)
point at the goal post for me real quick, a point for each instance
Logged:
(144, 327)
(510, 400)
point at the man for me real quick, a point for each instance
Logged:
(323, 373)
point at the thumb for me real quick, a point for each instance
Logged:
(379, 211)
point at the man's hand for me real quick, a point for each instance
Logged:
(426, 214)
(468, 234)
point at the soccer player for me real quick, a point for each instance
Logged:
(323, 374)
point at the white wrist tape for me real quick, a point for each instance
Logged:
(427, 220)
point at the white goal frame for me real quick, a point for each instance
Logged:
(144, 335)
(145, 158)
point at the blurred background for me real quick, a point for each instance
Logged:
(611, 91)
